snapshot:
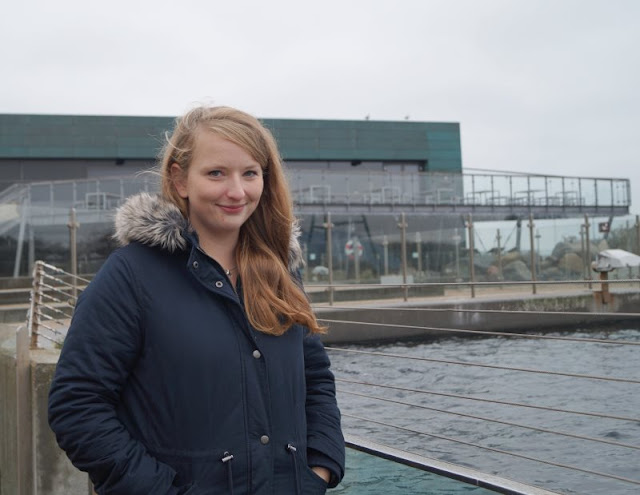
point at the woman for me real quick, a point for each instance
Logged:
(192, 364)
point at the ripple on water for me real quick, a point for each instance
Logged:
(535, 389)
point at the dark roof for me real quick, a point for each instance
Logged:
(113, 137)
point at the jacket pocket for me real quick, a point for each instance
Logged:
(312, 484)
(196, 474)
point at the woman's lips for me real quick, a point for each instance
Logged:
(232, 208)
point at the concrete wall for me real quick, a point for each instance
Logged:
(388, 325)
(31, 463)
(8, 411)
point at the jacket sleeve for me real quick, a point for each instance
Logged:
(325, 442)
(99, 352)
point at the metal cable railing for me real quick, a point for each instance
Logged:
(53, 297)
(482, 332)
(499, 451)
(490, 366)
(393, 409)
(494, 401)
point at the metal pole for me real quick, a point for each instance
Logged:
(385, 248)
(456, 238)
(403, 249)
(472, 272)
(329, 226)
(305, 254)
(419, 251)
(498, 238)
(23, 221)
(73, 248)
(32, 249)
(582, 253)
(588, 247)
(36, 302)
(533, 253)
(637, 234)
(356, 258)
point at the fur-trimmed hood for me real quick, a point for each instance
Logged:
(153, 221)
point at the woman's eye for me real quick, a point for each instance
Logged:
(251, 173)
(215, 173)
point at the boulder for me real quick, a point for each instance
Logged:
(516, 270)
(571, 263)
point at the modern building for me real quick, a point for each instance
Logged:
(365, 173)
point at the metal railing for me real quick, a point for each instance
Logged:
(359, 188)
(53, 298)
(387, 407)
(55, 292)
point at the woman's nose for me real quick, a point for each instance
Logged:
(235, 188)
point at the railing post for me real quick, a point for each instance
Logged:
(73, 251)
(356, 258)
(533, 254)
(403, 248)
(472, 272)
(637, 234)
(456, 239)
(24, 209)
(385, 250)
(498, 239)
(588, 247)
(35, 303)
(329, 226)
(305, 256)
(419, 251)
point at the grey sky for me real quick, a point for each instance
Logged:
(548, 86)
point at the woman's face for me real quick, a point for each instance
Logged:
(222, 186)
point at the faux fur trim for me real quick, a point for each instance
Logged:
(153, 221)
(150, 220)
(296, 259)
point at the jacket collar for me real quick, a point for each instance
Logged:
(151, 220)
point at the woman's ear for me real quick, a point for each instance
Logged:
(179, 179)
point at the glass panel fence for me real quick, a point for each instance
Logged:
(367, 474)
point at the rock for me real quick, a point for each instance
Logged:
(516, 270)
(553, 273)
(493, 273)
(510, 257)
(482, 262)
(571, 263)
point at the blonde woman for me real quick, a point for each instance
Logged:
(193, 363)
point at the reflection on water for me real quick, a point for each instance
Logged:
(612, 398)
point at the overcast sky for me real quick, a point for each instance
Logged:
(545, 86)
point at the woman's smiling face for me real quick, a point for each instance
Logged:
(222, 186)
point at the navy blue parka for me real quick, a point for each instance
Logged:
(163, 387)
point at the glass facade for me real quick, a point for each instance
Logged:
(368, 242)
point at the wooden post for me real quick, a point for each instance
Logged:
(472, 270)
(533, 253)
(73, 252)
(403, 248)
(329, 226)
(588, 248)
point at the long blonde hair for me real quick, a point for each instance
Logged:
(273, 300)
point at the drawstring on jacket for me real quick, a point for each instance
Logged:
(227, 460)
(292, 450)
